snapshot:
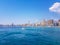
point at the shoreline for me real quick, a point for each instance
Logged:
(25, 26)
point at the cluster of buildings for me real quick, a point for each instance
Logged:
(9, 25)
(44, 22)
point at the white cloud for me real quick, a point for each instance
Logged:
(55, 7)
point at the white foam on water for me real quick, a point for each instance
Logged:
(23, 28)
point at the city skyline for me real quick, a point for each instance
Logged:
(22, 11)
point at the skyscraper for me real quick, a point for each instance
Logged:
(50, 22)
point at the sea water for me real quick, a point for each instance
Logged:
(30, 36)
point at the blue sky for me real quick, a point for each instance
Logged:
(21, 11)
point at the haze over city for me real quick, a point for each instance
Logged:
(22, 11)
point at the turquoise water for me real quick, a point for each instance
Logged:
(30, 36)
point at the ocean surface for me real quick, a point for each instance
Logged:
(30, 36)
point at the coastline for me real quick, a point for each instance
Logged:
(26, 26)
